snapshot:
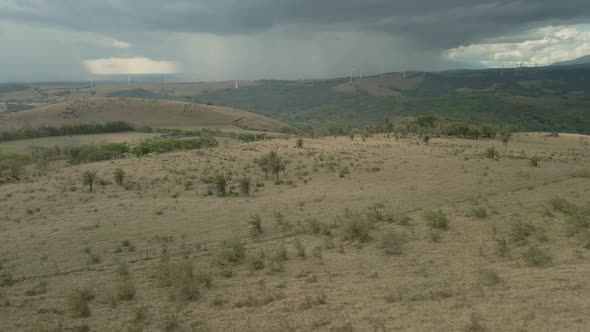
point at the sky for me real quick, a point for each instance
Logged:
(206, 40)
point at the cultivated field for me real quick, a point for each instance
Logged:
(359, 235)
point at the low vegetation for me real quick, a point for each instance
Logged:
(66, 130)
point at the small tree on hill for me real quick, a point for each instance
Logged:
(220, 184)
(119, 176)
(277, 164)
(88, 179)
(299, 143)
(506, 135)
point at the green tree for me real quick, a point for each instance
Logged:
(506, 135)
(119, 176)
(220, 184)
(89, 178)
(276, 164)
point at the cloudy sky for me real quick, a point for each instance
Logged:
(251, 39)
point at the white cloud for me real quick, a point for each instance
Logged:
(119, 44)
(537, 47)
(136, 65)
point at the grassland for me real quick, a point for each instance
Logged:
(370, 235)
(139, 112)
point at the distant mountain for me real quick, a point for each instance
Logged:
(579, 61)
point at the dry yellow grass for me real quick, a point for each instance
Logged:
(150, 112)
(450, 279)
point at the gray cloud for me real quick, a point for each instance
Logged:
(388, 33)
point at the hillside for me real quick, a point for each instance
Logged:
(578, 61)
(361, 235)
(141, 112)
(551, 98)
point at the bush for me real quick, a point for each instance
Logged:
(299, 143)
(13, 166)
(536, 256)
(578, 222)
(119, 176)
(562, 205)
(436, 219)
(232, 251)
(256, 225)
(391, 243)
(78, 302)
(245, 186)
(170, 145)
(478, 212)
(66, 130)
(220, 184)
(125, 290)
(534, 161)
(89, 154)
(491, 153)
(356, 227)
(521, 230)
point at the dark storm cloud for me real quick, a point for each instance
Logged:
(428, 23)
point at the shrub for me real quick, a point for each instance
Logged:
(356, 227)
(13, 166)
(189, 284)
(66, 130)
(436, 219)
(521, 230)
(220, 184)
(491, 153)
(245, 186)
(256, 225)
(478, 212)
(299, 248)
(38, 289)
(170, 321)
(232, 251)
(391, 243)
(256, 262)
(6, 279)
(89, 154)
(299, 143)
(562, 205)
(490, 277)
(78, 302)
(400, 219)
(534, 161)
(119, 176)
(170, 145)
(578, 222)
(125, 290)
(375, 212)
(314, 225)
(536, 256)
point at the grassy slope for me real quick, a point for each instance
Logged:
(139, 112)
(437, 282)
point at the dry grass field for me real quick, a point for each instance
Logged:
(359, 235)
(141, 112)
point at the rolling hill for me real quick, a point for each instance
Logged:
(141, 112)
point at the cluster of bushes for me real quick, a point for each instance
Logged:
(169, 145)
(12, 166)
(89, 154)
(65, 130)
(448, 127)
(247, 137)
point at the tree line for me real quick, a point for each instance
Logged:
(66, 130)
